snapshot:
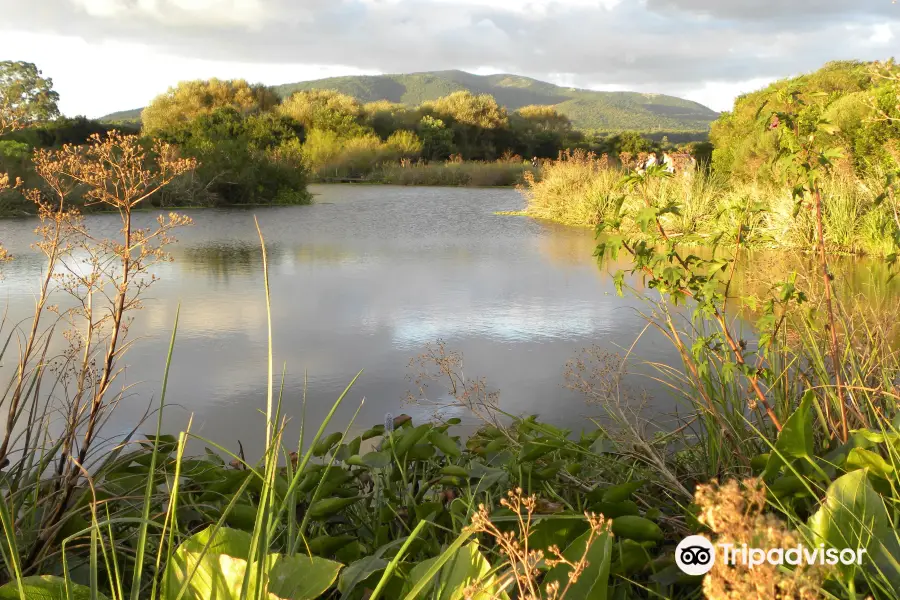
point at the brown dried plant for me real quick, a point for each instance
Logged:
(521, 565)
(439, 364)
(104, 278)
(734, 512)
(55, 241)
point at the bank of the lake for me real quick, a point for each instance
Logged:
(503, 173)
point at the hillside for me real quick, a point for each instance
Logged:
(123, 116)
(587, 109)
(608, 111)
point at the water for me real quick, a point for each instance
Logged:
(363, 279)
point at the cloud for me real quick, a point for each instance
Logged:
(663, 45)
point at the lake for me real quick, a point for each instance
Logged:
(364, 278)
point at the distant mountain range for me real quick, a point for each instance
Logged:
(607, 111)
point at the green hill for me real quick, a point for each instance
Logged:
(123, 116)
(607, 111)
(586, 108)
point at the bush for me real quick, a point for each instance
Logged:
(469, 174)
(243, 160)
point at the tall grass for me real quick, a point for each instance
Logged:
(583, 190)
(464, 174)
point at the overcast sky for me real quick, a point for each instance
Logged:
(107, 55)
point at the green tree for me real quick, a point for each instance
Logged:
(480, 126)
(326, 110)
(243, 159)
(540, 130)
(437, 140)
(25, 96)
(628, 141)
(854, 96)
(386, 117)
(191, 99)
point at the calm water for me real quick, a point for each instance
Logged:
(363, 279)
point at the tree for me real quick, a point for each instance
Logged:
(630, 142)
(191, 99)
(478, 123)
(387, 117)
(243, 158)
(466, 108)
(540, 130)
(327, 110)
(25, 96)
(437, 140)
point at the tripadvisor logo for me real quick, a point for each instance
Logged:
(696, 555)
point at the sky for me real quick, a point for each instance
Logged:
(109, 55)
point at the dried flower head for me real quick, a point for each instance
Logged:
(734, 512)
(522, 562)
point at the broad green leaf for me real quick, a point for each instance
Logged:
(358, 572)
(559, 532)
(852, 515)
(464, 569)
(795, 439)
(593, 583)
(618, 493)
(219, 573)
(45, 587)
(860, 458)
(301, 577)
(377, 460)
(224, 541)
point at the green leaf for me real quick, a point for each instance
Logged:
(853, 516)
(358, 572)
(301, 577)
(45, 587)
(593, 583)
(637, 528)
(377, 460)
(645, 217)
(618, 493)
(555, 532)
(219, 573)
(860, 458)
(444, 443)
(466, 567)
(795, 439)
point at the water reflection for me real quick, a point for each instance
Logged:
(364, 279)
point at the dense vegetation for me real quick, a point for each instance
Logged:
(252, 147)
(853, 96)
(791, 434)
(855, 102)
(588, 110)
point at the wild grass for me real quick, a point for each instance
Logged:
(581, 189)
(462, 174)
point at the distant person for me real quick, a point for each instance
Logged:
(651, 161)
(668, 163)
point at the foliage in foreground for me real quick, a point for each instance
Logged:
(799, 422)
(860, 215)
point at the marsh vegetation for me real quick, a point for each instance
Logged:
(790, 434)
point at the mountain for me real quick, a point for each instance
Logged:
(586, 108)
(608, 111)
(123, 116)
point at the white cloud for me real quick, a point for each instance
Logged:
(95, 79)
(705, 49)
(720, 95)
(882, 33)
(249, 13)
